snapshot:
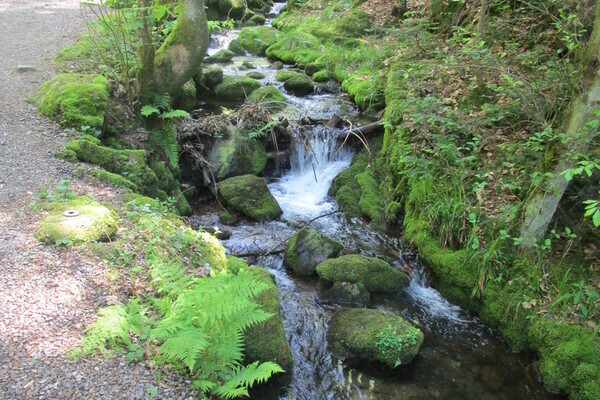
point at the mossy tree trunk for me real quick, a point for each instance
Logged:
(543, 201)
(146, 72)
(180, 56)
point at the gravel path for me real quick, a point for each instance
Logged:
(48, 295)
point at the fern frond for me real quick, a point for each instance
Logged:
(148, 110)
(175, 114)
(166, 138)
(246, 377)
(185, 346)
(162, 101)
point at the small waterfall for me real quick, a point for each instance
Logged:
(316, 160)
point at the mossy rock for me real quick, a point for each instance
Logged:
(266, 341)
(74, 100)
(185, 98)
(258, 19)
(222, 56)
(211, 251)
(375, 274)
(247, 65)
(270, 97)
(314, 67)
(113, 179)
(79, 220)
(299, 85)
(354, 24)
(237, 155)
(300, 48)
(227, 218)
(307, 249)
(212, 76)
(250, 196)
(256, 40)
(255, 75)
(322, 76)
(235, 264)
(236, 88)
(67, 155)
(236, 47)
(374, 335)
(283, 75)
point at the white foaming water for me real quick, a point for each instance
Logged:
(433, 302)
(275, 10)
(302, 192)
(221, 41)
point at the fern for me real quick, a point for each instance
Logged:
(185, 346)
(243, 378)
(175, 114)
(166, 138)
(148, 110)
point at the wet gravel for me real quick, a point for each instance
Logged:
(48, 295)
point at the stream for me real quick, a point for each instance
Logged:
(460, 358)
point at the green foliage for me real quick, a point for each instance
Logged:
(389, 340)
(166, 138)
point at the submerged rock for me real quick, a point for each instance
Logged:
(266, 341)
(348, 293)
(74, 100)
(299, 85)
(236, 47)
(237, 155)
(77, 221)
(307, 248)
(236, 88)
(255, 75)
(376, 275)
(222, 56)
(250, 196)
(374, 335)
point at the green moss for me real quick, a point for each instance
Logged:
(237, 155)
(585, 382)
(90, 222)
(212, 76)
(370, 202)
(307, 248)
(347, 293)
(322, 76)
(113, 179)
(185, 98)
(300, 48)
(235, 264)
(256, 40)
(266, 341)
(314, 67)
(355, 23)
(222, 56)
(236, 47)
(374, 335)
(255, 75)
(375, 274)
(283, 75)
(257, 19)
(249, 195)
(67, 155)
(227, 218)
(269, 96)
(299, 85)
(181, 204)
(74, 100)
(236, 88)
(211, 251)
(364, 92)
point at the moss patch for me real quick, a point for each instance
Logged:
(270, 97)
(256, 40)
(374, 335)
(299, 85)
(249, 195)
(236, 88)
(74, 100)
(113, 179)
(307, 248)
(375, 274)
(237, 155)
(222, 56)
(300, 48)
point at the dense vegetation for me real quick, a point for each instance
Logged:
(488, 161)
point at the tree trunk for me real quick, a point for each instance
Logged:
(145, 76)
(180, 56)
(539, 210)
(483, 12)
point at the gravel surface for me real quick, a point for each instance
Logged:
(48, 295)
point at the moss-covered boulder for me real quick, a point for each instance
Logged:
(227, 218)
(284, 74)
(322, 76)
(212, 76)
(299, 85)
(375, 274)
(266, 341)
(210, 251)
(236, 88)
(185, 97)
(255, 75)
(307, 249)
(236, 47)
(237, 155)
(374, 335)
(314, 67)
(257, 19)
(77, 220)
(300, 48)
(112, 179)
(74, 100)
(270, 97)
(355, 23)
(250, 196)
(256, 40)
(222, 56)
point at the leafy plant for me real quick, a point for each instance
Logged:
(389, 340)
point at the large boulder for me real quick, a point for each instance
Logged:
(237, 155)
(307, 248)
(250, 196)
(78, 220)
(266, 341)
(74, 100)
(212, 76)
(236, 88)
(299, 85)
(297, 48)
(374, 335)
(376, 275)
(270, 97)
(256, 39)
(236, 47)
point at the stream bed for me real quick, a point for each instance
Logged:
(460, 357)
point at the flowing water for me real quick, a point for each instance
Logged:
(460, 358)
